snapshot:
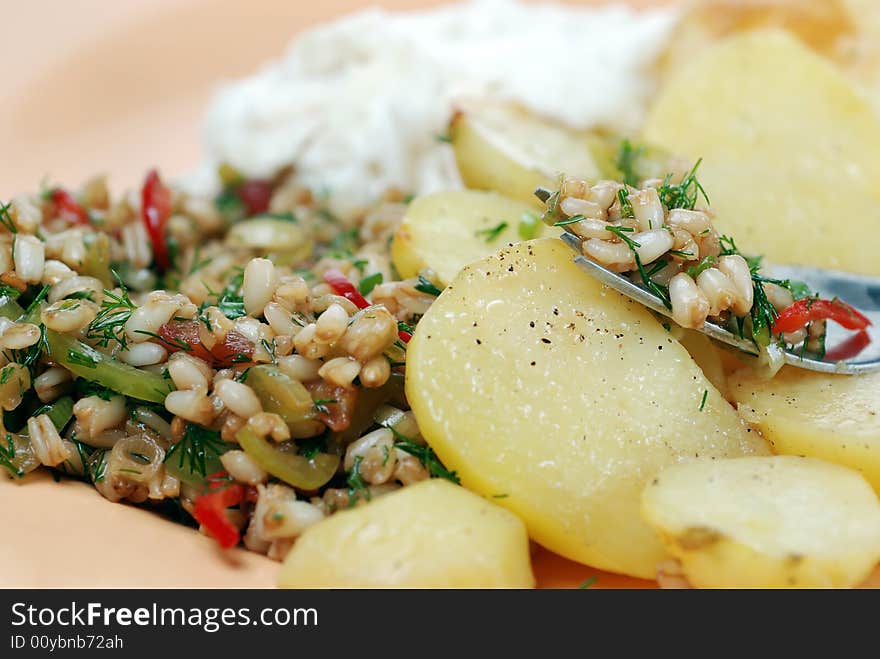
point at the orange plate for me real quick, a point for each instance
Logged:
(118, 91)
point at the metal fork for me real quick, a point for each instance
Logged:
(861, 292)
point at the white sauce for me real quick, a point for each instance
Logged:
(357, 104)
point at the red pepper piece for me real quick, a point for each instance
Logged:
(340, 283)
(255, 194)
(336, 415)
(235, 349)
(183, 336)
(155, 211)
(210, 511)
(802, 312)
(69, 209)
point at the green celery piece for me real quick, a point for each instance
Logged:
(293, 469)
(86, 362)
(60, 412)
(9, 308)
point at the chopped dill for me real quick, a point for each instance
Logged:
(763, 314)
(660, 291)
(443, 138)
(310, 448)
(84, 388)
(492, 233)
(197, 446)
(172, 342)
(703, 401)
(627, 155)
(286, 216)
(97, 464)
(36, 301)
(574, 219)
(696, 270)
(7, 457)
(9, 292)
(81, 359)
(82, 295)
(425, 455)
(626, 208)
(368, 283)
(684, 194)
(269, 348)
(322, 403)
(426, 287)
(356, 485)
(109, 322)
(6, 218)
(589, 582)
(30, 357)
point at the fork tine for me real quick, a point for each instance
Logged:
(543, 194)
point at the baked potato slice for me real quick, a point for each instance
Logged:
(790, 148)
(507, 149)
(445, 231)
(560, 399)
(766, 522)
(831, 417)
(430, 535)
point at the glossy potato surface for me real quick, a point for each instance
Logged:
(560, 399)
(790, 149)
(766, 522)
(445, 231)
(831, 417)
(509, 150)
(430, 535)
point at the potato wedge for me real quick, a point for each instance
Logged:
(447, 230)
(766, 522)
(562, 398)
(430, 535)
(505, 148)
(791, 149)
(832, 417)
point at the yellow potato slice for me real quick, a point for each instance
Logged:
(562, 399)
(509, 150)
(832, 417)
(766, 522)
(707, 356)
(430, 535)
(791, 149)
(821, 25)
(447, 230)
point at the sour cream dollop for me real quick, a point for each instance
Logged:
(357, 104)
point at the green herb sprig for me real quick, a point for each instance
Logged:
(197, 446)
(660, 291)
(425, 455)
(684, 194)
(108, 324)
(492, 233)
